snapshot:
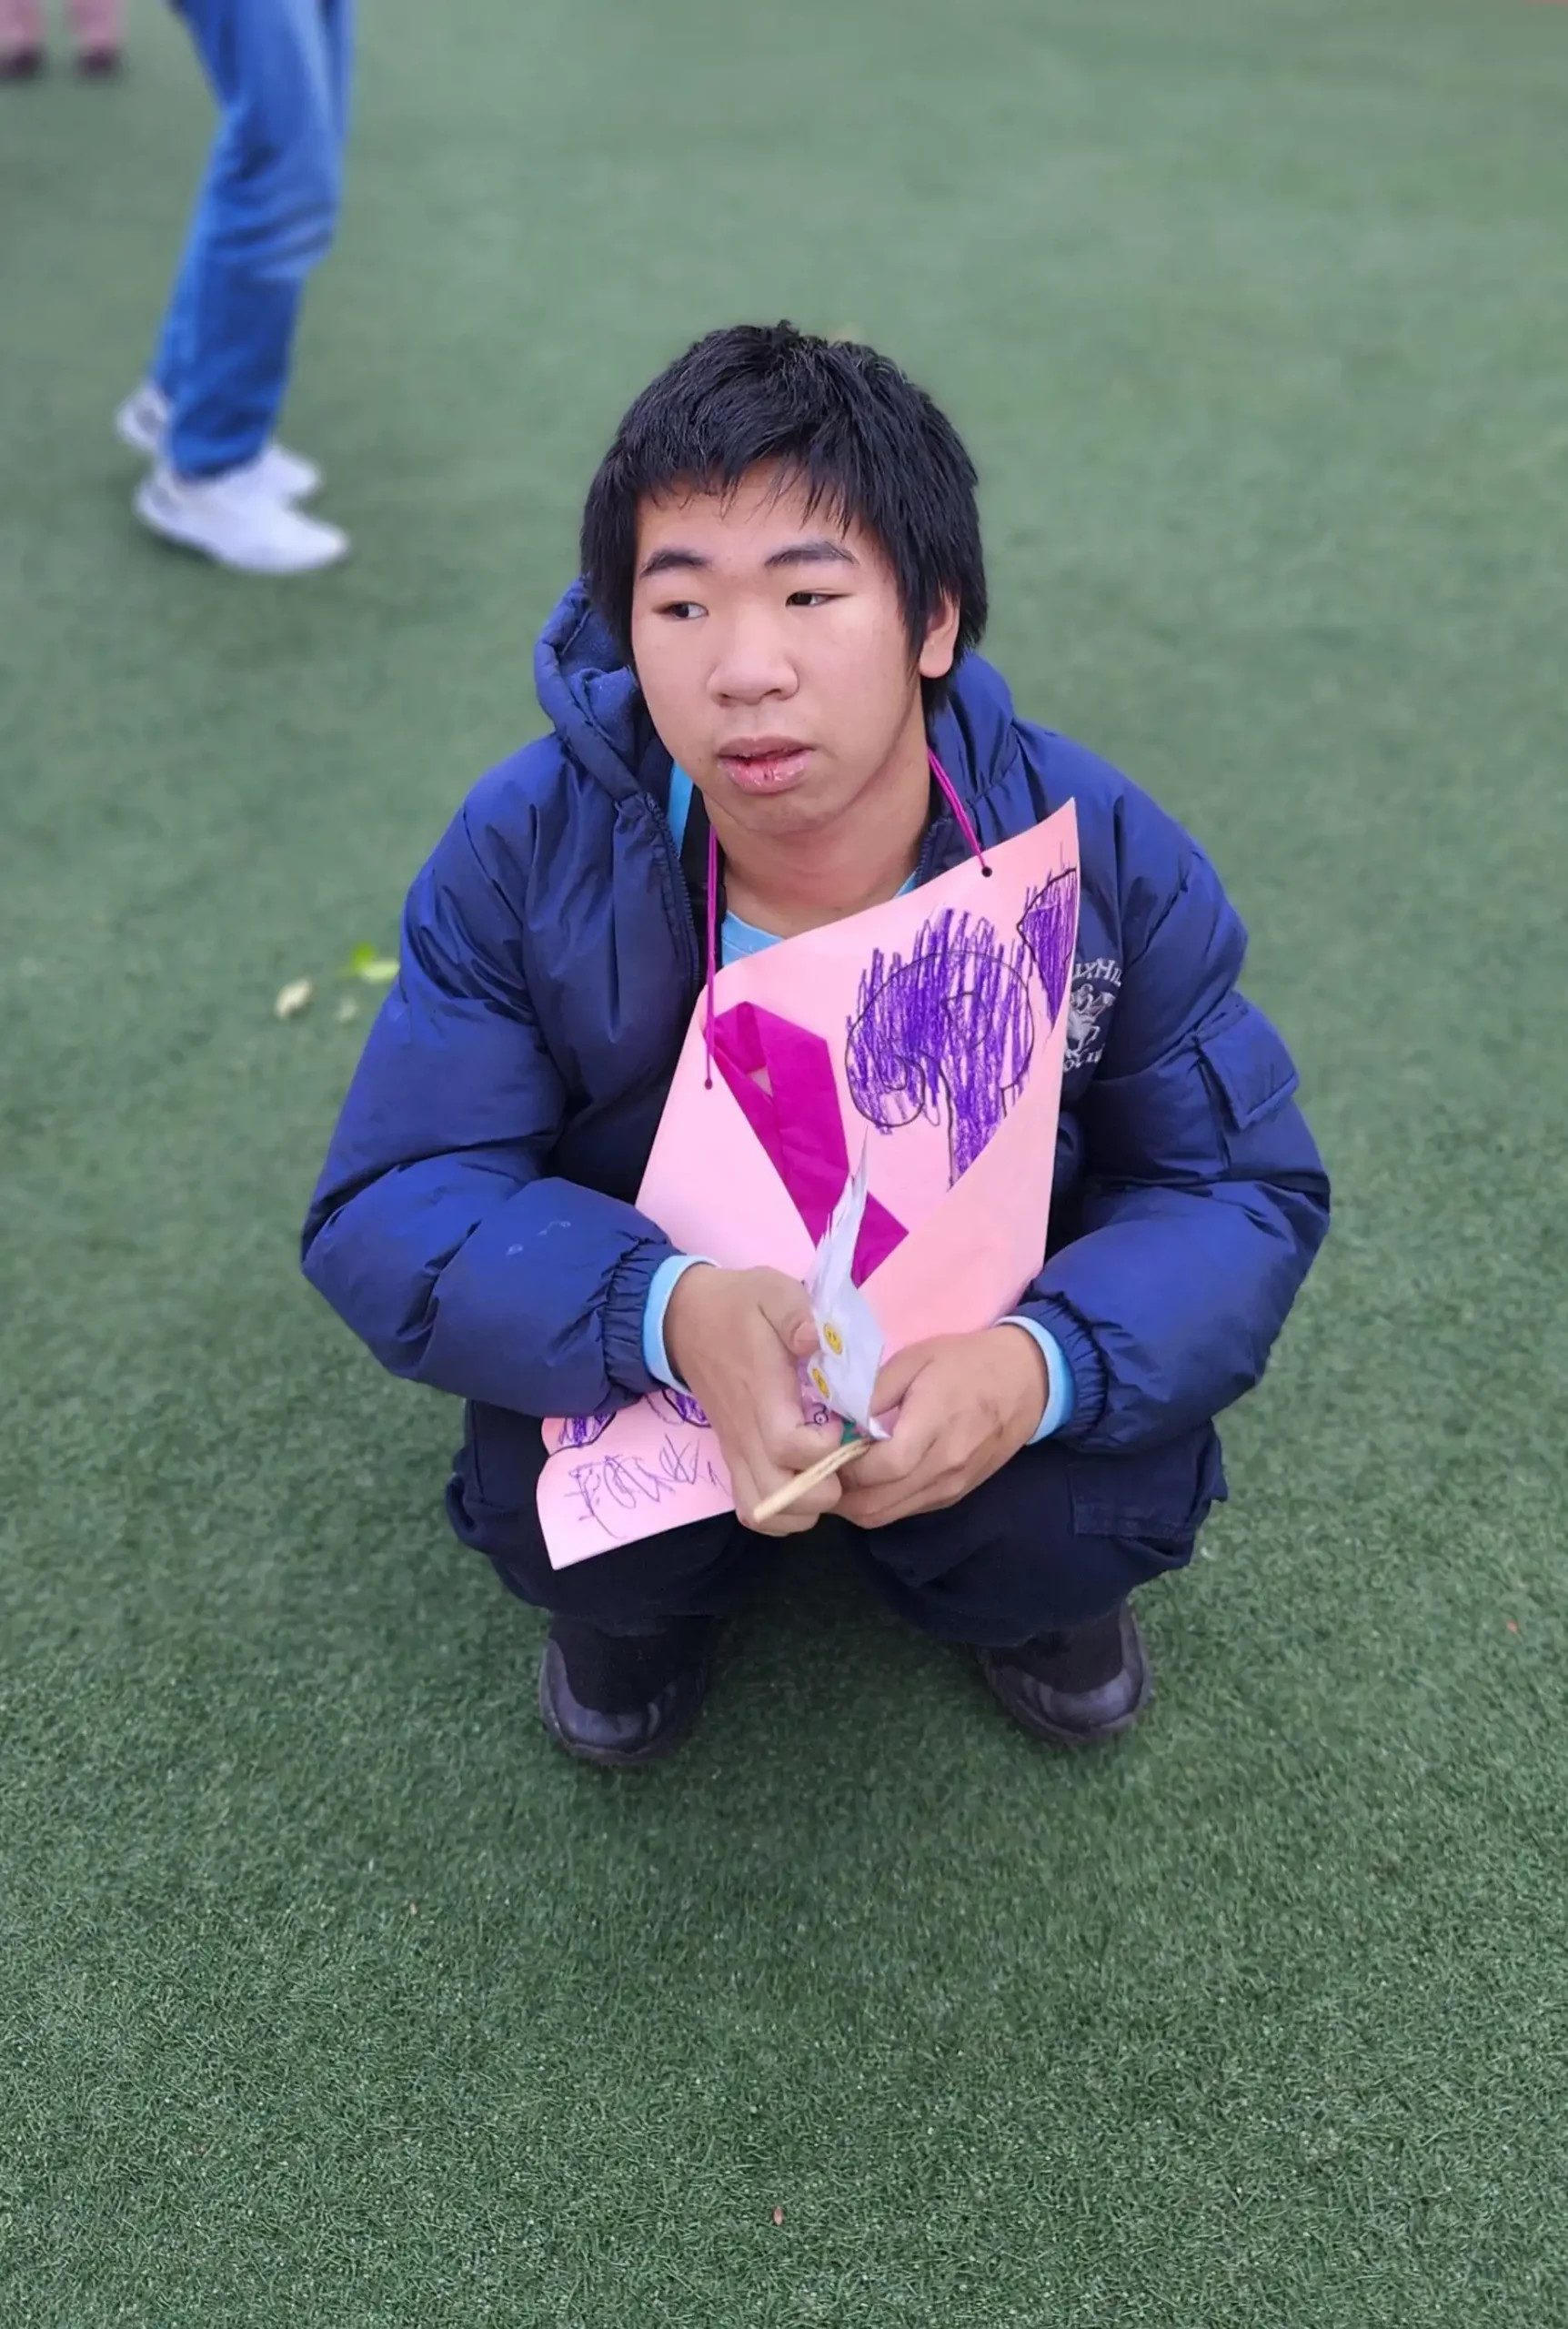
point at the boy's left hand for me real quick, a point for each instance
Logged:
(966, 1405)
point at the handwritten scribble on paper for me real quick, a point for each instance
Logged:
(1049, 928)
(582, 1431)
(611, 1491)
(682, 1406)
(950, 1032)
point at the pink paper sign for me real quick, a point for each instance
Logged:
(941, 1018)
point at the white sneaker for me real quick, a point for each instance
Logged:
(229, 518)
(142, 423)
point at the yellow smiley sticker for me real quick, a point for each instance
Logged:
(834, 1339)
(821, 1383)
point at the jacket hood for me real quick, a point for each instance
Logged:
(591, 698)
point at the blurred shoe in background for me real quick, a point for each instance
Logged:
(234, 520)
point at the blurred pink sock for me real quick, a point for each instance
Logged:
(96, 25)
(21, 26)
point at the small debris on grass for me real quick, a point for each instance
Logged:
(1512, 1627)
(347, 1010)
(777, 2216)
(375, 970)
(294, 998)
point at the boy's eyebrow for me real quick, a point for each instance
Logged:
(665, 562)
(820, 550)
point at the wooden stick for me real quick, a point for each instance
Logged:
(822, 1470)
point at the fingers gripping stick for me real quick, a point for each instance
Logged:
(822, 1470)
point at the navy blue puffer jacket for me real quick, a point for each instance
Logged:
(474, 1220)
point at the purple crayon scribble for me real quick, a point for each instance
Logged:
(951, 1029)
(683, 1408)
(582, 1431)
(1049, 928)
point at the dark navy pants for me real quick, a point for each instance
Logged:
(1050, 1540)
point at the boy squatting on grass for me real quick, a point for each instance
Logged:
(782, 590)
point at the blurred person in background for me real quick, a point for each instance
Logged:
(95, 24)
(220, 483)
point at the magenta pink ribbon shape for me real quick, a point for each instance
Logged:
(797, 1118)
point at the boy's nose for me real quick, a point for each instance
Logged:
(751, 667)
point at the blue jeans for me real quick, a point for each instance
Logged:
(265, 215)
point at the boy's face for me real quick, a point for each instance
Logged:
(773, 655)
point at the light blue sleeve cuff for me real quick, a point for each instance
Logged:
(1060, 1391)
(662, 1285)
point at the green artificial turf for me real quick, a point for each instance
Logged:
(331, 1996)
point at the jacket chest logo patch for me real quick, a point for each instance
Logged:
(1095, 987)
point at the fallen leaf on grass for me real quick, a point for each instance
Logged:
(375, 970)
(294, 998)
(1510, 1624)
(777, 2216)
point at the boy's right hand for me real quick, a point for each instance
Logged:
(735, 1338)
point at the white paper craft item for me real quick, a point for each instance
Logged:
(849, 1341)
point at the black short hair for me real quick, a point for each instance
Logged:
(868, 445)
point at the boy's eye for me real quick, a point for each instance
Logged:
(681, 610)
(812, 598)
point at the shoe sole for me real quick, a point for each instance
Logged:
(613, 1759)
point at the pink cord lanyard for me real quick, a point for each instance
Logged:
(966, 826)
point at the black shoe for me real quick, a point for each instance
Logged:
(623, 1699)
(97, 64)
(22, 64)
(1076, 1687)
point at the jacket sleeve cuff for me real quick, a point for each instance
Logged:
(1060, 1392)
(1081, 1359)
(666, 1279)
(624, 1305)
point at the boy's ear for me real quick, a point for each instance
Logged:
(936, 658)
